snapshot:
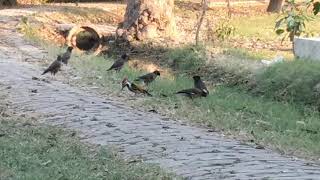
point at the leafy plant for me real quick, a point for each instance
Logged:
(225, 30)
(292, 23)
(25, 27)
(316, 8)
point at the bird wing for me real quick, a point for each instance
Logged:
(204, 89)
(137, 88)
(192, 91)
(147, 77)
(55, 65)
(200, 85)
(116, 64)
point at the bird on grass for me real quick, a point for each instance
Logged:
(199, 84)
(148, 78)
(118, 64)
(134, 87)
(66, 56)
(55, 66)
(199, 90)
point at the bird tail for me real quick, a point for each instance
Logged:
(109, 69)
(148, 93)
(44, 72)
(181, 92)
(163, 95)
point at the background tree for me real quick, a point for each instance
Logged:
(275, 6)
(148, 19)
(8, 2)
(294, 17)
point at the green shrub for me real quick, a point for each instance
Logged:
(224, 30)
(294, 81)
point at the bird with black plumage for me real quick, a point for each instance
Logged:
(119, 63)
(148, 78)
(67, 55)
(198, 83)
(199, 89)
(54, 67)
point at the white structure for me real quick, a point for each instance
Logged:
(308, 48)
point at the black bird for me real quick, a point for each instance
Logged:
(55, 66)
(148, 78)
(66, 56)
(118, 64)
(191, 93)
(133, 87)
(199, 84)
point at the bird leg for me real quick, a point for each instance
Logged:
(52, 77)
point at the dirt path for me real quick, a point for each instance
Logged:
(191, 152)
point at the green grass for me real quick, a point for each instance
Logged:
(34, 152)
(246, 54)
(255, 26)
(262, 26)
(293, 129)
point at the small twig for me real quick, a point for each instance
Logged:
(204, 9)
(229, 8)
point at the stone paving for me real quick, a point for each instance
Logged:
(191, 152)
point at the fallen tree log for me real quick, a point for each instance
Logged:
(87, 37)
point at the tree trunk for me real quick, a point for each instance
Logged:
(147, 19)
(275, 6)
(8, 2)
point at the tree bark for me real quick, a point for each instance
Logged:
(275, 6)
(147, 19)
(8, 2)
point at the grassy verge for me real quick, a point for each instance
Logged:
(292, 129)
(257, 55)
(33, 152)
